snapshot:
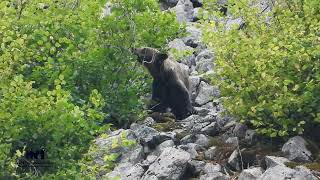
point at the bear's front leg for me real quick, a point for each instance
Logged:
(179, 100)
(159, 93)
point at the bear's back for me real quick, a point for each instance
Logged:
(174, 71)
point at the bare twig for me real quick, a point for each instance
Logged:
(22, 7)
(238, 148)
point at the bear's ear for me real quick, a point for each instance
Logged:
(161, 57)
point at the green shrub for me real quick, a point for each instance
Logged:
(64, 69)
(31, 120)
(40, 41)
(268, 71)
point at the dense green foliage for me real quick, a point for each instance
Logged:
(269, 71)
(118, 75)
(64, 69)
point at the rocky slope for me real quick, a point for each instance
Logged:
(206, 146)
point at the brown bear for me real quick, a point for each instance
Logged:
(170, 85)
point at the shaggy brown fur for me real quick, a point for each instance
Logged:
(171, 84)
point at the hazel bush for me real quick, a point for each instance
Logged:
(268, 67)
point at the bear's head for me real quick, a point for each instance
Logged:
(147, 55)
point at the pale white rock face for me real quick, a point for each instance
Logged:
(126, 171)
(272, 161)
(184, 11)
(295, 149)
(171, 165)
(206, 93)
(283, 173)
(251, 174)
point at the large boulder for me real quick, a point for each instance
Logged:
(272, 161)
(295, 149)
(171, 164)
(191, 148)
(126, 171)
(112, 143)
(251, 173)
(199, 139)
(184, 11)
(147, 136)
(282, 173)
(206, 93)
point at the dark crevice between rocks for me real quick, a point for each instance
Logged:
(196, 3)
(313, 133)
(188, 174)
(251, 155)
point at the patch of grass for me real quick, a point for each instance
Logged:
(315, 166)
(166, 126)
(291, 164)
(215, 141)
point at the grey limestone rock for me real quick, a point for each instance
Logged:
(171, 165)
(251, 173)
(282, 173)
(126, 171)
(296, 150)
(184, 11)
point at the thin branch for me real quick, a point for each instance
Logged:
(22, 7)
